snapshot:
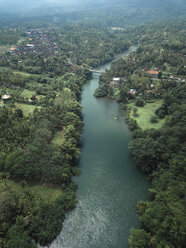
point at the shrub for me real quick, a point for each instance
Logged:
(139, 102)
(154, 119)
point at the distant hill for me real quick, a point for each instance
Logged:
(29, 5)
(100, 12)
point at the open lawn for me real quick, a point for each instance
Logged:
(47, 193)
(145, 113)
(28, 93)
(6, 48)
(24, 74)
(21, 40)
(26, 108)
(58, 138)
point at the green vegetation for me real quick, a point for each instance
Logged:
(26, 108)
(3, 49)
(36, 157)
(28, 93)
(144, 115)
(152, 89)
(58, 138)
(33, 147)
(46, 193)
(24, 74)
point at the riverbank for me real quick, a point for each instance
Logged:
(110, 185)
(155, 112)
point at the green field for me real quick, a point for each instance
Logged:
(58, 138)
(6, 48)
(22, 39)
(28, 93)
(145, 113)
(26, 108)
(47, 193)
(24, 74)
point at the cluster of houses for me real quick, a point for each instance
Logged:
(116, 82)
(154, 75)
(38, 43)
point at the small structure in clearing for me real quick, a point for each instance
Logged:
(32, 99)
(132, 92)
(30, 45)
(115, 82)
(6, 98)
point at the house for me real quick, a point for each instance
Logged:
(115, 82)
(32, 99)
(153, 73)
(12, 49)
(30, 45)
(116, 79)
(6, 98)
(132, 92)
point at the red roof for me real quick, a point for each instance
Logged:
(153, 72)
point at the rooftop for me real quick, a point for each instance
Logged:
(153, 72)
(12, 48)
(116, 79)
(5, 97)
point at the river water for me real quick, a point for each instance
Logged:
(110, 184)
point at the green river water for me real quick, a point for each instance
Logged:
(110, 184)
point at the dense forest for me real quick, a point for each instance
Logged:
(43, 65)
(42, 71)
(40, 129)
(150, 85)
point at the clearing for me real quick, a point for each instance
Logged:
(58, 137)
(26, 108)
(24, 74)
(28, 93)
(47, 193)
(145, 113)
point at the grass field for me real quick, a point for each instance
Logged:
(24, 74)
(6, 48)
(145, 113)
(28, 93)
(21, 40)
(26, 108)
(58, 138)
(47, 193)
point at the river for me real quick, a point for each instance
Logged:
(110, 184)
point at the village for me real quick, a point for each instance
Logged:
(154, 75)
(38, 42)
